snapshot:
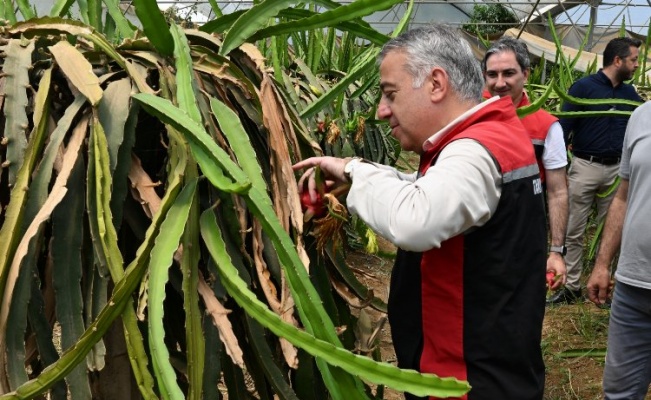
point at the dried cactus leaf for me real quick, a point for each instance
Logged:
(287, 203)
(287, 314)
(221, 322)
(350, 296)
(268, 287)
(142, 187)
(255, 55)
(78, 70)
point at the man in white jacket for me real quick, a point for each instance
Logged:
(467, 293)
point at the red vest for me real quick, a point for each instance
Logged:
(537, 125)
(479, 312)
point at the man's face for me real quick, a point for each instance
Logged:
(504, 76)
(407, 109)
(628, 65)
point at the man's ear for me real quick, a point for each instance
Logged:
(617, 61)
(440, 84)
(526, 74)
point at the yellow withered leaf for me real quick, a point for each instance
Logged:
(78, 71)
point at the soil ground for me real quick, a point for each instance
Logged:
(574, 338)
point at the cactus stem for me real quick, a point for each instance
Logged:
(4, 141)
(5, 164)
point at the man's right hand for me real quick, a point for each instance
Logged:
(599, 286)
(332, 169)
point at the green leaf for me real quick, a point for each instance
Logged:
(67, 230)
(185, 95)
(125, 27)
(589, 352)
(365, 63)
(60, 8)
(18, 316)
(17, 63)
(404, 21)
(357, 9)
(265, 357)
(593, 102)
(25, 9)
(203, 147)
(364, 367)
(240, 143)
(339, 262)
(9, 13)
(536, 105)
(213, 160)
(113, 112)
(251, 21)
(162, 256)
(11, 230)
(154, 26)
(358, 29)
(196, 348)
(184, 74)
(122, 292)
(105, 243)
(27, 239)
(222, 23)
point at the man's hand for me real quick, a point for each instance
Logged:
(556, 264)
(599, 286)
(332, 169)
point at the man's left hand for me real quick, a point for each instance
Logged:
(556, 264)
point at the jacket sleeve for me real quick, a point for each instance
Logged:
(459, 192)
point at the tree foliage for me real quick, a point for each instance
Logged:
(488, 19)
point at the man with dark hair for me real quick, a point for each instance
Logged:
(467, 295)
(596, 143)
(506, 68)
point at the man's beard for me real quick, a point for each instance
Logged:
(624, 74)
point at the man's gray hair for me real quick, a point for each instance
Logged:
(441, 46)
(507, 43)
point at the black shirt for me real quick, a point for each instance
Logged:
(598, 136)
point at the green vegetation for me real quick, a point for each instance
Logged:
(489, 19)
(148, 203)
(151, 237)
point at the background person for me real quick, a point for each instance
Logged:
(627, 373)
(467, 289)
(506, 68)
(597, 147)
